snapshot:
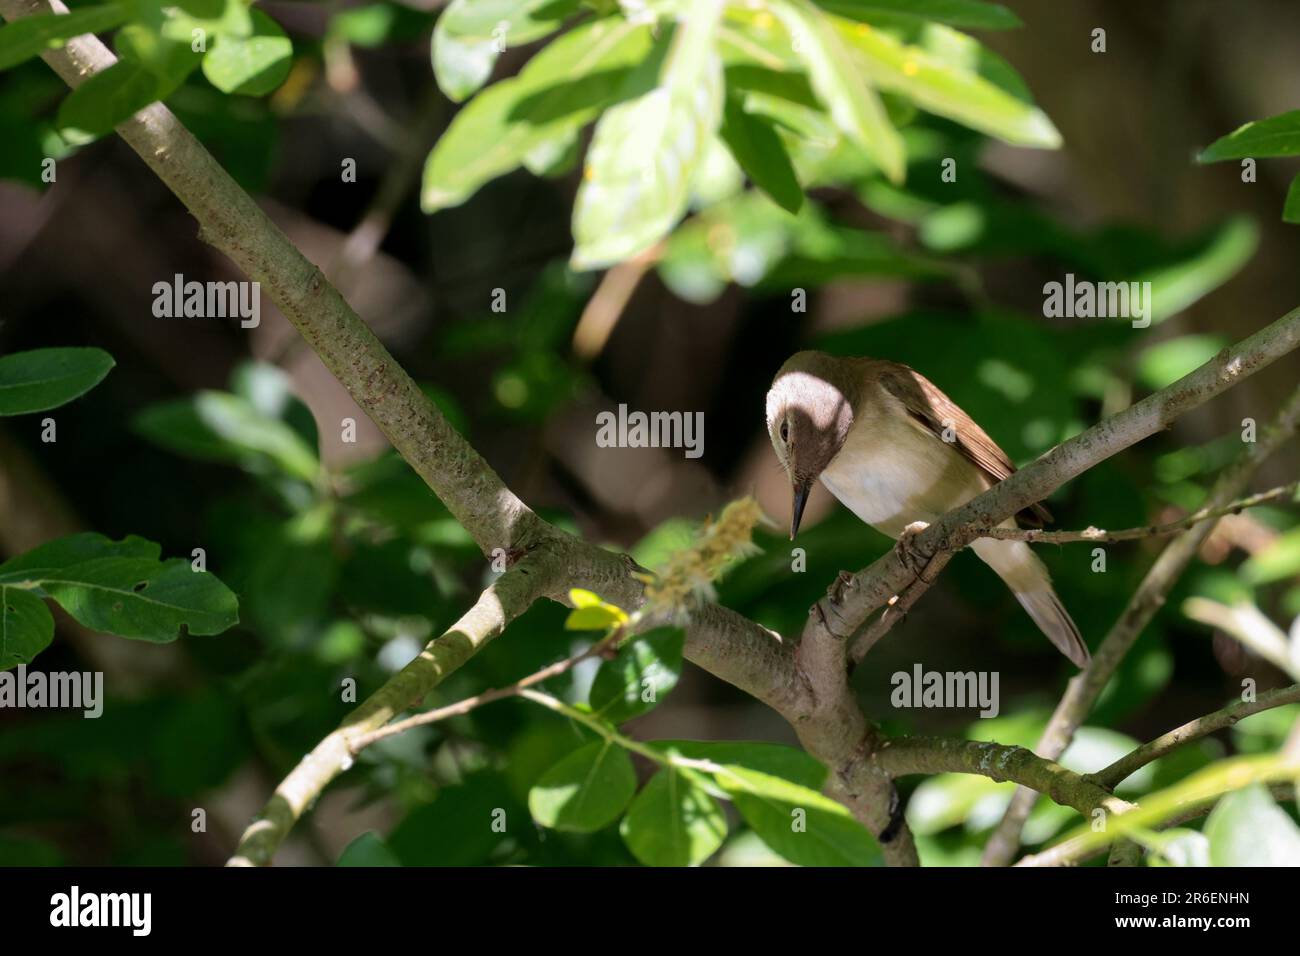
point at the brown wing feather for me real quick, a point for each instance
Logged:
(932, 408)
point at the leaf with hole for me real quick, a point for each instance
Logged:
(142, 599)
(26, 626)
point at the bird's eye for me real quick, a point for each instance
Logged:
(785, 431)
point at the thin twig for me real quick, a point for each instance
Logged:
(357, 744)
(1032, 535)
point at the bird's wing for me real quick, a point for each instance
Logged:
(937, 413)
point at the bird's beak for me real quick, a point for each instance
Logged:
(801, 489)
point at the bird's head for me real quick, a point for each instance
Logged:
(809, 414)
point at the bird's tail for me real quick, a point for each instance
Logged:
(1027, 576)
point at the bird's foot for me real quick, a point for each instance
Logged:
(914, 559)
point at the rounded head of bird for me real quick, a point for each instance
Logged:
(809, 414)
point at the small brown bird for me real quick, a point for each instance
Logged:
(895, 450)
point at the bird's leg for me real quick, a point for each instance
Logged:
(912, 557)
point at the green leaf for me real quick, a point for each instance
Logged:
(958, 13)
(1166, 362)
(1247, 828)
(590, 613)
(106, 99)
(471, 34)
(53, 556)
(563, 87)
(672, 823)
(47, 378)
(647, 665)
(841, 86)
(801, 824)
(946, 86)
(1291, 211)
(253, 65)
(31, 36)
(637, 180)
(585, 791)
(1275, 136)
(26, 626)
(761, 154)
(368, 850)
(1276, 561)
(1178, 286)
(219, 426)
(143, 599)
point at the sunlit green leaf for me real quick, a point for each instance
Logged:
(585, 791)
(801, 824)
(563, 87)
(672, 823)
(941, 86)
(645, 669)
(637, 178)
(253, 65)
(471, 34)
(1247, 828)
(841, 84)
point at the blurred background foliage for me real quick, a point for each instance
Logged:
(207, 435)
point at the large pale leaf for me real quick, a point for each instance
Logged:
(673, 823)
(841, 84)
(47, 378)
(471, 34)
(563, 88)
(26, 627)
(637, 179)
(1247, 828)
(946, 86)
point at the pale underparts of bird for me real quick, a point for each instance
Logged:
(895, 450)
